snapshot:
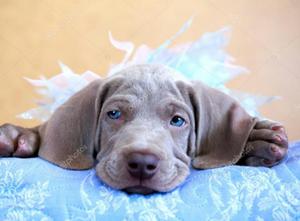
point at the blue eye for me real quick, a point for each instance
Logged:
(114, 114)
(177, 121)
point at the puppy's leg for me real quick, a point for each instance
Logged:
(18, 141)
(266, 146)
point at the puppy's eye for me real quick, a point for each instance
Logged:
(114, 114)
(177, 121)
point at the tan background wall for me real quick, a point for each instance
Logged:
(35, 34)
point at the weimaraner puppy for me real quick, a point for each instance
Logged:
(143, 127)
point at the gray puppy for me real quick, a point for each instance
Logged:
(143, 127)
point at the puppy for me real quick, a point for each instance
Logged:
(143, 128)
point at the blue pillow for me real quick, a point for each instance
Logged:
(33, 189)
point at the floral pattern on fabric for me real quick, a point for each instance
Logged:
(33, 189)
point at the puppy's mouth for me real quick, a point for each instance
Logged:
(118, 177)
(139, 189)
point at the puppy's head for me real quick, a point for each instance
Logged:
(145, 132)
(145, 125)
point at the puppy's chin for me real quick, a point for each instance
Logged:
(139, 190)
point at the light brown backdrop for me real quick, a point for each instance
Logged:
(35, 34)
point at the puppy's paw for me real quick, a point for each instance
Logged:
(267, 144)
(17, 141)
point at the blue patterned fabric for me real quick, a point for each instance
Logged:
(33, 189)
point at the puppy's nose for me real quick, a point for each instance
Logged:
(142, 166)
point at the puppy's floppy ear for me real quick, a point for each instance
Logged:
(222, 127)
(68, 138)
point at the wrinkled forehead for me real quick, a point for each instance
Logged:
(149, 81)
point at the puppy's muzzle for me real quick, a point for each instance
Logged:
(142, 165)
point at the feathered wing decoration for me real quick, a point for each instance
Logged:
(204, 59)
(56, 91)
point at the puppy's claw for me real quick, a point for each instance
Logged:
(274, 149)
(268, 162)
(17, 141)
(278, 138)
(269, 144)
(278, 127)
